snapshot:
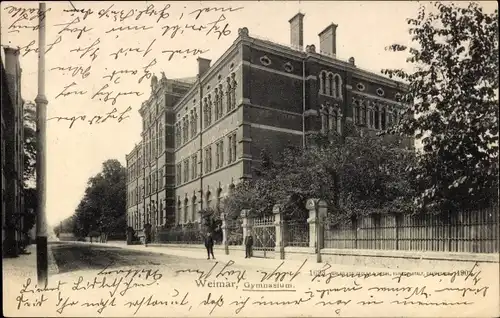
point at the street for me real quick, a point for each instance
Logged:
(114, 279)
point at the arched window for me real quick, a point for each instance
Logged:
(338, 86)
(377, 117)
(228, 94)
(363, 113)
(334, 116)
(322, 82)
(205, 112)
(186, 209)
(383, 119)
(194, 205)
(324, 118)
(179, 211)
(219, 197)
(209, 109)
(208, 198)
(216, 109)
(330, 88)
(233, 90)
(370, 116)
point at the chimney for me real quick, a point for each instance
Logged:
(328, 40)
(297, 30)
(203, 66)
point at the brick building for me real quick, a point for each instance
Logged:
(200, 139)
(12, 152)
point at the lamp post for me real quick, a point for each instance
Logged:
(41, 108)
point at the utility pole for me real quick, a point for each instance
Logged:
(41, 108)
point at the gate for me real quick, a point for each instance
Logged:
(264, 233)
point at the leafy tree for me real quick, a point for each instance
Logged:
(453, 104)
(103, 207)
(30, 145)
(354, 175)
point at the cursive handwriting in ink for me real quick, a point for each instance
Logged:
(465, 290)
(112, 96)
(24, 14)
(224, 273)
(209, 301)
(240, 303)
(92, 49)
(150, 273)
(198, 12)
(101, 304)
(62, 303)
(69, 27)
(85, 12)
(130, 28)
(184, 52)
(28, 288)
(147, 72)
(299, 301)
(117, 79)
(29, 48)
(23, 302)
(74, 70)
(202, 274)
(415, 291)
(280, 276)
(150, 301)
(125, 51)
(420, 303)
(65, 91)
(96, 119)
(216, 28)
(78, 285)
(474, 275)
(150, 11)
(327, 291)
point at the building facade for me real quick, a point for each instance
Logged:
(258, 95)
(12, 152)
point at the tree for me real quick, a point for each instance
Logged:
(30, 144)
(453, 104)
(103, 207)
(354, 175)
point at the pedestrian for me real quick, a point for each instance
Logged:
(209, 244)
(248, 246)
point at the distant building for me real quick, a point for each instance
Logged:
(12, 152)
(200, 139)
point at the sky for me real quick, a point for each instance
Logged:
(77, 153)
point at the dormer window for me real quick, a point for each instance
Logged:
(380, 92)
(288, 67)
(265, 61)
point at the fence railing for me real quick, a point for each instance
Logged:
(296, 233)
(467, 231)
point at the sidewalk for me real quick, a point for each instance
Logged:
(199, 252)
(20, 268)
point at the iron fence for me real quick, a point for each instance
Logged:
(297, 233)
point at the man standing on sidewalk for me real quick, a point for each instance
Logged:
(209, 244)
(248, 246)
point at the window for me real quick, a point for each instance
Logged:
(208, 159)
(232, 147)
(179, 210)
(228, 94)
(377, 117)
(194, 206)
(216, 109)
(360, 87)
(195, 122)
(334, 116)
(221, 100)
(194, 166)
(264, 60)
(330, 84)
(178, 174)
(219, 154)
(288, 67)
(383, 119)
(233, 91)
(186, 209)
(380, 92)
(185, 129)
(207, 113)
(161, 177)
(186, 170)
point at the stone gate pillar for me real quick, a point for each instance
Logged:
(280, 233)
(317, 213)
(225, 233)
(247, 224)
